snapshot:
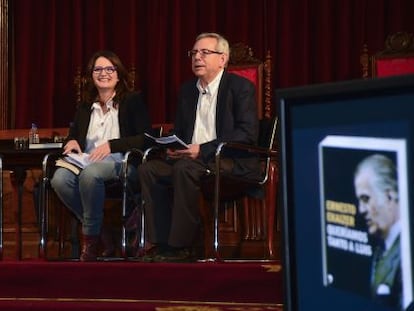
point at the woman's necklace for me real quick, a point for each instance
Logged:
(104, 103)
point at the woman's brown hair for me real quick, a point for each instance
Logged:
(124, 85)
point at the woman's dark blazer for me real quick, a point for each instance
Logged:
(133, 117)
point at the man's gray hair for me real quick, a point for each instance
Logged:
(383, 168)
(222, 43)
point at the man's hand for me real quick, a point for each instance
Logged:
(192, 152)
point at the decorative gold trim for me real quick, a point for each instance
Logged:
(209, 308)
(122, 300)
(364, 61)
(272, 268)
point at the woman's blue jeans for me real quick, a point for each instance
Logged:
(84, 194)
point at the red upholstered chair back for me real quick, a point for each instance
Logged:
(243, 63)
(397, 58)
(394, 66)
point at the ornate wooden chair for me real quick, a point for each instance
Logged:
(237, 224)
(239, 204)
(244, 63)
(396, 58)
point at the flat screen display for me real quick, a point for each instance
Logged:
(346, 154)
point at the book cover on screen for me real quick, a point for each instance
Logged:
(365, 221)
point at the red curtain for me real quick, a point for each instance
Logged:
(310, 41)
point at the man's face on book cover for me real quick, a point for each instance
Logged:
(378, 207)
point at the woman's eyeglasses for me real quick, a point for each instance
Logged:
(108, 69)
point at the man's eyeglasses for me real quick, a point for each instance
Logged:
(109, 69)
(203, 52)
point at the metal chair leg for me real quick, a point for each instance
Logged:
(1, 209)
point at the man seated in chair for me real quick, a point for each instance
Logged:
(214, 107)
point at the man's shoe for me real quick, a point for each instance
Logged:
(107, 242)
(148, 255)
(175, 255)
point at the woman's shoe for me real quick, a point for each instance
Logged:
(89, 248)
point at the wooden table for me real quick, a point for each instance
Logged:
(19, 161)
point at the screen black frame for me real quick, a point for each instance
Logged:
(288, 99)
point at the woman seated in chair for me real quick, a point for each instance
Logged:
(110, 120)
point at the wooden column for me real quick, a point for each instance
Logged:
(4, 64)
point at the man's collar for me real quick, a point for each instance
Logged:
(212, 87)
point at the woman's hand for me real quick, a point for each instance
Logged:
(72, 146)
(100, 152)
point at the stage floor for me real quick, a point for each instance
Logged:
(132, 285)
